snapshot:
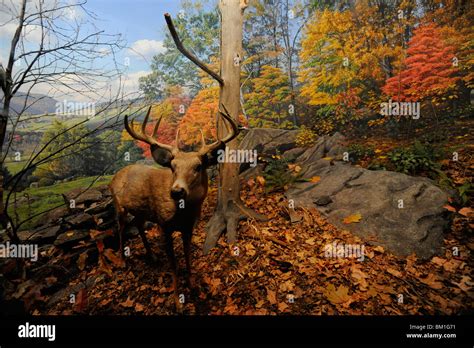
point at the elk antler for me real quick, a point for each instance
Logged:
(142, 136)
(230, 136)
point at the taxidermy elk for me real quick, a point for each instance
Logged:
(170, 196)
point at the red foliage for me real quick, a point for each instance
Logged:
(429, 70)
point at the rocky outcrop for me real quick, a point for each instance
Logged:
(402, 213)
(65, 226)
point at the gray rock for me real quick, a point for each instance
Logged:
(81, 220)
(42, 235)
(417, 227)
(269, 141)
(89, 196)
(70, 238)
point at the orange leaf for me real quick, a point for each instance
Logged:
(467, 212)
(271, 296)
(116, 260)
(352, 218)
(315, 179)
(450, 208)
(127, 303)
(261, 180)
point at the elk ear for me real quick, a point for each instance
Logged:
(161, 156)
(213, 157)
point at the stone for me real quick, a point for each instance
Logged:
(42, 235)
(81, 220)
(70, 238)
(80, 196)
(345, 190)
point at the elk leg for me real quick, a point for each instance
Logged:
(121, 228)
(186, 236)
(140, 225)
(172, 260)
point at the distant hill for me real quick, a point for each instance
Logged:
(40, 103)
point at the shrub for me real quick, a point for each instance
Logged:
(306, 137)
(416, 159)
(278, 175)
(45, 181)
(358, 152)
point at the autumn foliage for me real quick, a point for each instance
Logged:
(429, 70)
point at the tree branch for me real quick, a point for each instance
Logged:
(187, 54)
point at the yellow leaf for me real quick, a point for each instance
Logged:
(261, 180)
(352, 218)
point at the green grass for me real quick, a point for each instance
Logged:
(14, 166)
(49, 197)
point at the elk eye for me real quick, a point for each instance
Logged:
(198, 168)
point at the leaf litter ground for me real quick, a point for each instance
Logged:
(277, 267)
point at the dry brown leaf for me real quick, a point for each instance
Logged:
(128, 303)
(465, 283)
(139, 307)
(394, 272)
(81, 261)
(352, 218)
(282, 306)
(271, 296)
(81, 301)
(338, 296)
(112, 257)
(360, 277)
(432, 281)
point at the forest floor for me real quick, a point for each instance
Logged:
(280, 267)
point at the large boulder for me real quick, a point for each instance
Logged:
(402, 213)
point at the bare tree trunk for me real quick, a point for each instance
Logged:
(230, 209)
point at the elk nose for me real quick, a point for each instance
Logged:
(178, 193)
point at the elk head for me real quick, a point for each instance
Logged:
(187, 168)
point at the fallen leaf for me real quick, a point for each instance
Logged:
(139, 307)
(282, 306)
(352, 218)
(271, 296)
(432, 281)
(467, 212)
(465, 283)
(338, 296)
(128, 303)
(81, 261)
(261, 180)
(394, 272)
(81, 301)
(112, 257)
(315, 179)
(360, 277)
(449, 207)
(51, 280)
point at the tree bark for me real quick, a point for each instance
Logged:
(230, 209)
